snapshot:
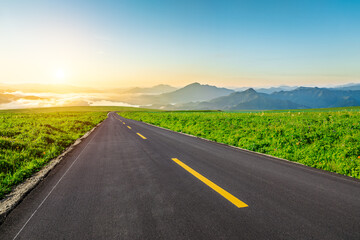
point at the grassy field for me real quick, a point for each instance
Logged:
(327, 139)
(338, 109)
(29, 138)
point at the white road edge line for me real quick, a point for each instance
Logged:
(54, 187)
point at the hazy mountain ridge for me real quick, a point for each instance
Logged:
(158, 89)
(320, 97)
(268, 90)
(195, 92)
(247, 100)
(194, 96)
(347, 87)
(301, 97)
(190, 93)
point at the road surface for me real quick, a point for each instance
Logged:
(129, 180)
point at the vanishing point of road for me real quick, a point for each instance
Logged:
(130, 180)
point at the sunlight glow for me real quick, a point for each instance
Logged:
(59, 74)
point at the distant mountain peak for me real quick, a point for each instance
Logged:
(193, 84)
(157, 89)
(193, 92)
(250, 90)
(162, 85)
(247, 92)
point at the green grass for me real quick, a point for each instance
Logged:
(338, 109)
(327, 139)
(30, 138)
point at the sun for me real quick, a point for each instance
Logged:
(59, 76)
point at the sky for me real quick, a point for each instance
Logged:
(115, 44)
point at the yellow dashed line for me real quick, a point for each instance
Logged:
(141, 136)
(237, 202)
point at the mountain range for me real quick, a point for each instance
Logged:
(245, 100)
(189, 93)
(204, 97)
(193, 92)
(320, 97)
(268, 90)
(194, 96)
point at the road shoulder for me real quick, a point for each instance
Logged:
(12, 199)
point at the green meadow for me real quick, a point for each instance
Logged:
(327, 139)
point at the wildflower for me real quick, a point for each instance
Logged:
(358, 156)
(44, 152)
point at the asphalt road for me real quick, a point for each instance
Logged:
(158, 184)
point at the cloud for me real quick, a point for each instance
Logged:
(6, 98)
(111, 103)
(32, 100)
(19, 99)
(31, 97)
(77, 102)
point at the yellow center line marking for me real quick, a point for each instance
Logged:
(129, 127)
(237, 202)
(141, 136)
